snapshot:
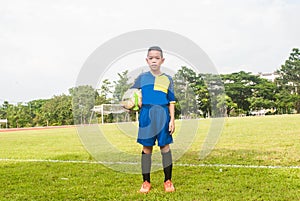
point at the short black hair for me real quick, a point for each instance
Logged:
(157, 48)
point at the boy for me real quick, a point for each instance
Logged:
(156, 120)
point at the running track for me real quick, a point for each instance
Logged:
(33, 128)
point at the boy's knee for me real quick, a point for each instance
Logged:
(165, 149)
(147, 149)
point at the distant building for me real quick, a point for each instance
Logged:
(269, 76)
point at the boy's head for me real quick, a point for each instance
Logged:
(155, 58)
(155, 48)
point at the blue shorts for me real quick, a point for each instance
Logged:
(154, 125)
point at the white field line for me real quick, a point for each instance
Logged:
(135, 163)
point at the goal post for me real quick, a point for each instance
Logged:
(3, 121)
(106, 109)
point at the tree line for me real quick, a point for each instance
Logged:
(198, 95)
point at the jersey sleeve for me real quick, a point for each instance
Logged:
(137, 83)
(171, 95)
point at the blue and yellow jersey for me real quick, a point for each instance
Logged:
(156, 90)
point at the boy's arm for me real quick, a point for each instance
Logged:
(172, 118)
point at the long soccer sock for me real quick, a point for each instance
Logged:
(167, 164)
(146, 166)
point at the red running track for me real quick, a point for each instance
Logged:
(33, 128)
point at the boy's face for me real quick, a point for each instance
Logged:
(154, 60)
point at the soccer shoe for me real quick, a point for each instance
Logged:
(169, 187)
(146, 186)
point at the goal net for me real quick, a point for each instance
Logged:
(3, 121)
(117, 112)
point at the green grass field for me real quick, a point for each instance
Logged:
(256, 158)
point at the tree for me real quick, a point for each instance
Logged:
(83, 101)
(202, 96)
(121, 86)
(11, 115)
(57, 111)
(284, 101)
(215, 89)
(104, 92)
(240, 87)
(35, 108)
(184, 88)
(3, 109)
(198, 93)
(263, 95)
(289, 78)
(19, 116)
(224, 100)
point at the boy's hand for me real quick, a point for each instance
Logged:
(172, 127)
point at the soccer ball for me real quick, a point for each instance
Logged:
(132, 99)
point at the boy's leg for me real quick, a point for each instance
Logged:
(167, 161)
(167, 165)
(146, 168)
(146, 162)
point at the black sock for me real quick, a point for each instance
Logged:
(167, 164)
(146, 166)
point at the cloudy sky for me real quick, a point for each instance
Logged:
(43, 44)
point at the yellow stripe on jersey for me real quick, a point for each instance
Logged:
(161, 83)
